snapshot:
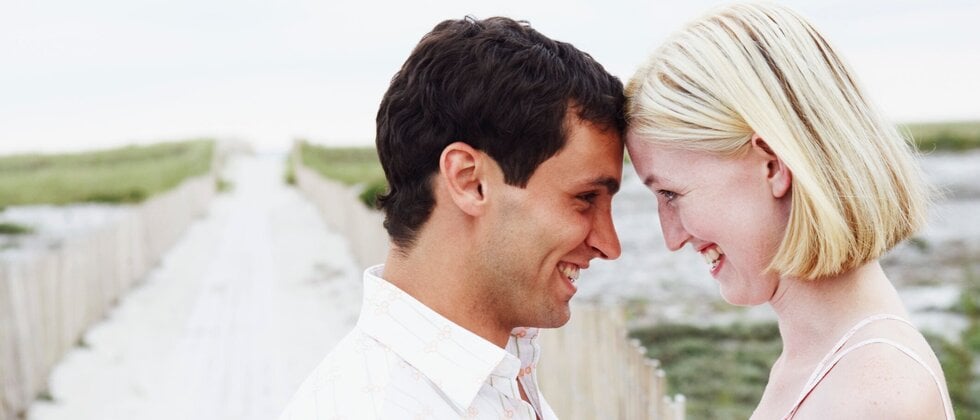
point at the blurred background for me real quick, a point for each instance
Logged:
(109, 72)
(161, 139)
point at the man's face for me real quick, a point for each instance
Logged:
(539, 237)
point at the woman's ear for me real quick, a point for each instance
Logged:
(777, 173)
(461, 168)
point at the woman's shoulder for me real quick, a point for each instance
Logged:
(881, 377)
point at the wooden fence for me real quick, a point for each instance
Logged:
(50, 295)
(591, 369)
(344, 212)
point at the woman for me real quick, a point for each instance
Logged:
(768, 159)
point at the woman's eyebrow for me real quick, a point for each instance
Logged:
(653, 179)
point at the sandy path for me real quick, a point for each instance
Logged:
(230, 322)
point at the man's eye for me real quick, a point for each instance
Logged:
(667, 195)
(588, 197)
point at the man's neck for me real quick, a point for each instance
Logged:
(442, 284)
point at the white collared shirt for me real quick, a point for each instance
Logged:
(405, 361)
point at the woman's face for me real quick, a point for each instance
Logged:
(733, 211)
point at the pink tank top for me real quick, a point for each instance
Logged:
(836, 354)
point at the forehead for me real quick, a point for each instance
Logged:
(655, 163)
(589, 153)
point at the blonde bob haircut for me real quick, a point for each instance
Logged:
(761, 68)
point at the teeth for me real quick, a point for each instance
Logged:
(570, 271)
(712, 256)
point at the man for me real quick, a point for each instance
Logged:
(502, 149)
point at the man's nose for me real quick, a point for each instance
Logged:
(603, 238)
(675, 236)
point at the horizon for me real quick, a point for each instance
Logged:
(110, 73)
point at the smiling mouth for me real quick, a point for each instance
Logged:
(712, 256)
(570, 271)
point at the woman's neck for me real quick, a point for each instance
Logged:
(814, 314)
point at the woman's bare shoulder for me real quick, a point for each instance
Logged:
(877, 380)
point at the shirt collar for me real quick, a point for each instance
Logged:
(455, 359)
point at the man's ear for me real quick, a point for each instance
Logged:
(462, 170)
(779, 176)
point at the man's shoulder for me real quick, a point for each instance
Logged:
(341, 382)
(362, 378)
(349, 360)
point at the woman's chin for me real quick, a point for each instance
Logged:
(749, 293)
(740, 299)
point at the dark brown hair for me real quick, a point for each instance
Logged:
(495, 84)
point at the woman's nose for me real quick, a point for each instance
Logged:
(675, 236)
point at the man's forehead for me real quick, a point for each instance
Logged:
(590, 158)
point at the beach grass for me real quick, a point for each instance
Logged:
(946, 136)
(722, 370)
(289, 175)
(223, 185)
(7, 228)
(360, 165)
(349, 166)
(960, 360)
(957, 362)
(123, 175)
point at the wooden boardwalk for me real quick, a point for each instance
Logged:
(228, 325)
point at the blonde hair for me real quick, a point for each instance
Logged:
(762, 68)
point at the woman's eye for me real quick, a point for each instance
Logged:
(667, 195)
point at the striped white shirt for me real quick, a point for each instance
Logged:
(405, 361)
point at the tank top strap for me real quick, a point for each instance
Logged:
(947, 409)
(843, 340)
(829, 360)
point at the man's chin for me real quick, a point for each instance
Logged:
(554, 319)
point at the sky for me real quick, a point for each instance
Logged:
(102, 73)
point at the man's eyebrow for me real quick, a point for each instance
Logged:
(611, 184)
